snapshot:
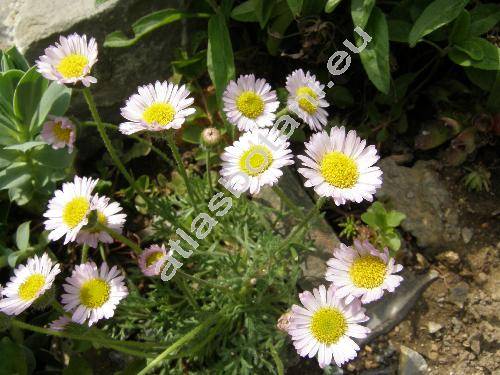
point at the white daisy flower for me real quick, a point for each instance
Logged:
(68, 211)
(70, 60)
(307, 98)
(255, 160)
(93, 294)
(157, 107)
(29, 282)
(250, 103)
(361, 271)
(60, 323)
(108, 214)
(59, 132)
(151, 260)
(341, 167)
(325, 326)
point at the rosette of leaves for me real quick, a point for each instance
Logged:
(29, 167)
(384, 223)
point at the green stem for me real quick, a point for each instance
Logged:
(119, 237)
(115, 128)
(284, 198)
(185, 289)
(169, 216)
(182, 169)
(201, 281)
(283, 112)
(116, 345)
(298, 228)
(102, 252)
(179, 343)
(209, 177)
(109, 146)
(85, 252)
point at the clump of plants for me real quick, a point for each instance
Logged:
(207, 281)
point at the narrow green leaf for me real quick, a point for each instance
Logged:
(276, 31)
(13, 356)
(375, 57)
(245, 12)
(360, 12)
(27, 96)
(477, 53)
(295, 6)
(23, 147)
(55, 101)
(331, 5)
(482, 78)
(461, 28)
(14, 176)
(435, 15)
(17, 59)
(8, 83)
(483, 18)
(220, 59)
(146, 25)
(57, 159)
(23, 236)
(263, 11)
(192, 133)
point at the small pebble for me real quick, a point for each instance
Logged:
(450, 258)
(433, 327)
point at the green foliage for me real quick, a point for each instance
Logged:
(384, 223)
(349, 227)
(477, 179)
(220, 60)
(29, 167)
(455, 28)
(148, 24)
(16, 359)
(255, 281)
(437, 14)
(375, 57)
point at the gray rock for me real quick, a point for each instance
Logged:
(390, 310)
(450, 258)
(434, 327)
(458, 294)
(411, 362)
(32, 25)
(466, 234)
(419, 192)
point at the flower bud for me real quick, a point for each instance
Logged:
(210, 136)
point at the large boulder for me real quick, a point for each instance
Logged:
(34, 24)
(420, 193)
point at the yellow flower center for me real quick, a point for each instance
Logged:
(339, 170)
(94, 293)
(75, 211)
(328, 325)
(153, 258)
(30, 288)
(368, 272)
(256, 160)
(250, 104)
(307, 99)
(61, 133)
(160, 113)
(72, 66)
